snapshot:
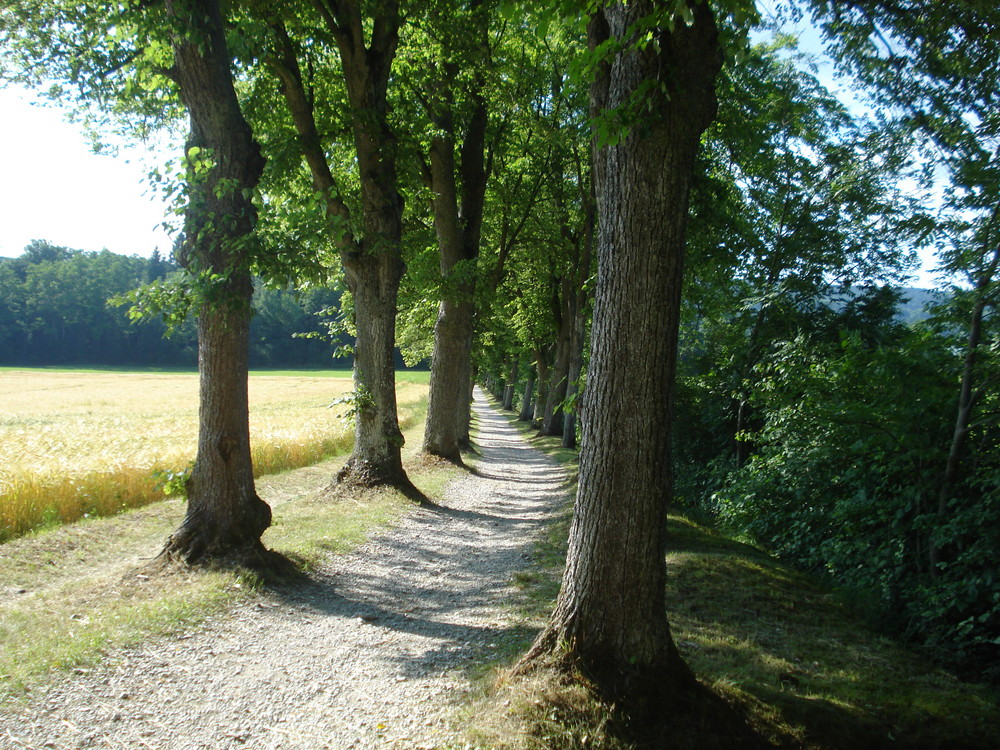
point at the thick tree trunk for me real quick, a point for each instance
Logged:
(458, 225)
(225, 517)
(376, 460)
(610, 618)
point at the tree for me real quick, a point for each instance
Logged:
(136, 67)
(458, 188)
(225, 517)
(369, 243)
(610, 619)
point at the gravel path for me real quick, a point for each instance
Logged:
(372, 653)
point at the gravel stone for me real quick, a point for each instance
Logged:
(372, 652)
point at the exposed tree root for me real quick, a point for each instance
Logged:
(363, 475)
(627, 708)
(190, 548)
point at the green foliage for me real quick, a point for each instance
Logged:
(173, 483)
(849, 457)
(55, 309)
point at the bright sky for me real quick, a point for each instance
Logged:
(53, 187)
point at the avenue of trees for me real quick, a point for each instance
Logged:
(639, 226)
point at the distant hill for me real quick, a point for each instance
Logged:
(915, 301)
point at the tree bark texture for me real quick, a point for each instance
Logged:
(610, 617)
(459, 193)
(527, 401)
(372, 262)
(225, 517)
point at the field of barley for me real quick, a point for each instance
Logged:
(79, 443)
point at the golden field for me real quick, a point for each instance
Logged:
(75, 443)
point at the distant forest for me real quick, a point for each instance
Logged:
(54, 310)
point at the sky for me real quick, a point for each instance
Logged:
(53, 187)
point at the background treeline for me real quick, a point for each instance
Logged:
(54, 310)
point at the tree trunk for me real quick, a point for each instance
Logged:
(527, 404)
(374, 283)
(577, 311)
(573, 383)
(552, 419)
(966, 400)
(372, 262)
(458, 225)
(610, 618)
(225, 517)
(508, 393)
(542, 382)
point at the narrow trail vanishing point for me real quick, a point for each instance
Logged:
(372, 652)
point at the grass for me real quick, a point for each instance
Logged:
(790, 652)
(82, 443)
(70, 594)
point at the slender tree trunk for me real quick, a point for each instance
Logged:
(966, 401)
(372, 263)
(579, 330)
(542, 382)
(573, 384)
(225, 517)
(610, 618)
(527, 403)
(552, 419)
(508, 394)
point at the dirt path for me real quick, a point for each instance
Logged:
(372, 653)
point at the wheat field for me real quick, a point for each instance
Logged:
(76, 443)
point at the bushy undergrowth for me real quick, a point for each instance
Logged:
(850, 447)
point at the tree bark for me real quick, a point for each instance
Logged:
(555, 393)
(542, 383)
(610, 618)
(458, 202)
(508, 393)
(372, 263)
(527, 402)
(225, 517)
(573, 382)
(966, 399)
